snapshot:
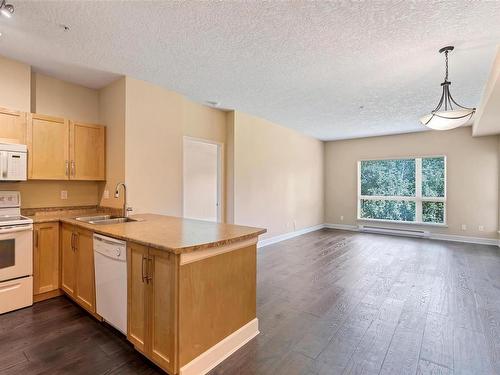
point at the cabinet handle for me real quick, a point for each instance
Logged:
(73, 241)
(77, 239)
(36, 238)
(67, 167)
(150, 270)
(144, 277)
(72, 167)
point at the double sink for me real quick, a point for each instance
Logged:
(104, 219)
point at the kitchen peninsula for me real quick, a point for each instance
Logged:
(191, 285)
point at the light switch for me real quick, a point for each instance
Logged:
(464, 227)
(64, 194)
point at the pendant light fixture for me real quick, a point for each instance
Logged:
(448, 114)
(7, 10)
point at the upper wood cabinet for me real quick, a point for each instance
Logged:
(87, 151)
(48, 148)
(13, 126)
(62, 150)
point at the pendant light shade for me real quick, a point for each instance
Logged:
(448, 114)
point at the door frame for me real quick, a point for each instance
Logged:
(220, 173)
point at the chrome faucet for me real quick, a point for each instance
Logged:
(126, 209)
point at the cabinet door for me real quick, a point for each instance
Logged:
(85, 280)
(46, 258)
(13, 126)
(87, 149)
(68, 260)
(137, 257)
(161, 312)
(48, 148)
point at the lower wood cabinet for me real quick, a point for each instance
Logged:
(45, 258)
(77, 269)
(151, 303)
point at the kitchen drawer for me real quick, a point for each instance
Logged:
(16, 294)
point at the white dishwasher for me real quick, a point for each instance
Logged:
(110, 262)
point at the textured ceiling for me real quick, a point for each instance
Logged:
(332, 70)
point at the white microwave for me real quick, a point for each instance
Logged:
(13, 162)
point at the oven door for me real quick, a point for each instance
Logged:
(16, 252)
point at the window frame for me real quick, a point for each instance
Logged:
(418, 198)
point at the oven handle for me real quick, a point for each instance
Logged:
(18, 228)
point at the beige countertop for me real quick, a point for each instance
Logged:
(173, 234)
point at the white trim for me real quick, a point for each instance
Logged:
(354, 228)
(195, 256)
(418, 198)
(423, 223)
(465, 239)
(220, 173)
(432, 236)
(287, 236)
(222, 350)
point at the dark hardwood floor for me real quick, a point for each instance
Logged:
(329, 302)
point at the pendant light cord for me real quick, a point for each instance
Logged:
(446, 63)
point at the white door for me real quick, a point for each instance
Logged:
(202, 180)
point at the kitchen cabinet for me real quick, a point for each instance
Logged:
(151, 303)
(12, 126)
(77, 271)
(87, 151)
(48, 148)
(68, 260)
(59, 149)
(45, 258)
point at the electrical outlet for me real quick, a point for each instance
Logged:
(481, 228)
(106, 194)
(464, 227)
(64, 194)
(341, 218)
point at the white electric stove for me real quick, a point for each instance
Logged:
(16, 254)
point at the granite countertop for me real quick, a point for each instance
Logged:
(173, 234)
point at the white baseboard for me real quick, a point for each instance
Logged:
(287, 236)
(353, 228)
(466, 239)
(222, 350)
(433, 236)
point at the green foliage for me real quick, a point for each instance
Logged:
(397, 178)
(388, 177)
(433, 177)
(433, 212)
(388, 210)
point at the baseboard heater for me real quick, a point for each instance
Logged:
(393, 231)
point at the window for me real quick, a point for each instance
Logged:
(404, 190)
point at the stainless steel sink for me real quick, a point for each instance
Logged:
(112, 220)
(88, 219)
(104, 219)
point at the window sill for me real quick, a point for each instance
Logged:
(440, 225)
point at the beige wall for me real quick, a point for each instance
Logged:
(16, 92)
(15, 81)
(51, 96)
(156, 122)
(112, 114)
(472, 168)
(278, 176)
(229, 169)
(153, 148)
